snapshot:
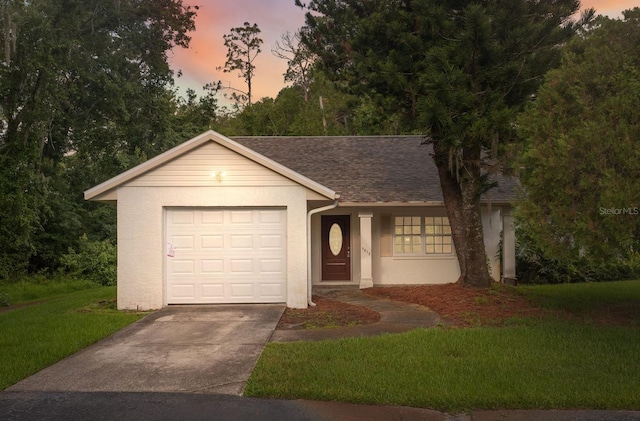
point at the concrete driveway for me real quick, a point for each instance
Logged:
(187, 349)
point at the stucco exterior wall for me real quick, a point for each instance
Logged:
(141, 242)
(492, 227)
(400, 270)
(390, 269)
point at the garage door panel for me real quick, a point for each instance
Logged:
(212, 217)
(213, 291)
(244, 217)
(268, 217)
(226, 256)
(212, 266)
(242, 290)
(184, 242)
(271, 241)
(273, 290)
(182, 218)
(182, 267)
(272, 266)
(212, 242)
(183, 292)
(241, 241)
(241, 266)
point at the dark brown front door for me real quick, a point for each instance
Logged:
(336, 248)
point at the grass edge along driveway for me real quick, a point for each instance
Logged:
(34, 337)
(529, 364)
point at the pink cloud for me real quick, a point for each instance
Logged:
(207, 51)
(274, 18)
(612, 8)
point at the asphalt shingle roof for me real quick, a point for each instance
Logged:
(365, 168)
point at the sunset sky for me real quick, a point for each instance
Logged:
(274, 18)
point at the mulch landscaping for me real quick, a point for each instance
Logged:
(465, 307)
(457, 306)
(327, 313)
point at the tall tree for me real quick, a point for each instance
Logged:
(457, 71)
(581, 161)
(299, 59)
(88, 77)
(243, 46)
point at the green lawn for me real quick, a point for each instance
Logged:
(527, 364)
(585, 298)
(40, 288)
(34, 337)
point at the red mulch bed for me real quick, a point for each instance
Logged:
(464, 307)
(457, 306)
(327, 313)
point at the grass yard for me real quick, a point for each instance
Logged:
(603, 303)
(34, 337)
(40, 288)
(530, 363)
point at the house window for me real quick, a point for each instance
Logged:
(415, 235)
(408, 235)
(437, 235)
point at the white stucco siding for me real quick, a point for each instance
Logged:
(140, 251)
(395, 269)
(492, 227)
(417, 271)
(141, 242)
(389, 268)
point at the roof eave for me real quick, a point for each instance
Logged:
(416, 203)
(105, 189)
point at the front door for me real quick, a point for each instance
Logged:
(336, 248)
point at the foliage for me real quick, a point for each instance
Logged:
(457, 72)
(580, 162)
(37, 336)
(243, 46)
(83, 94)
(22, 202)
(290, 115)
(533, 267)
(194, 114)
(300, 61)
(95, 260)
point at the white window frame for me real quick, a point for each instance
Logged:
(435, 233)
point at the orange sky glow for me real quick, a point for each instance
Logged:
(274, 17)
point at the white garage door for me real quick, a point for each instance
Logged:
(226, 256)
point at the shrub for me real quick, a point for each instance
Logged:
(5, 299)
(95, 260)
(533, 267)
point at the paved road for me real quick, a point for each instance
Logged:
(82, 406)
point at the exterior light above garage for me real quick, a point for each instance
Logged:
(218, 175)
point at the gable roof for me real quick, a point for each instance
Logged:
(371, 169)
(100, 191)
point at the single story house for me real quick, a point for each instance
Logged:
(265, 219)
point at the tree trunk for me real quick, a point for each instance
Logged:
(462, 201)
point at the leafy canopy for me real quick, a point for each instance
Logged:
(456, 71)
(581, 158)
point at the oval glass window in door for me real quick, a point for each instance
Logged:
(335, 239)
